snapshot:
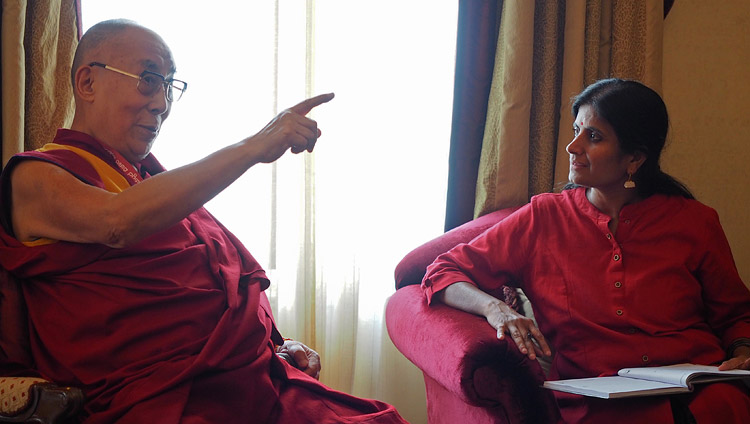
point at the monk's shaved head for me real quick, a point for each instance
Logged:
(98, 39)
(110, 104)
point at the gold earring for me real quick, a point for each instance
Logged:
(629, 183)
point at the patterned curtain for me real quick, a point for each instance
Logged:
(38, 42)
(547, 52)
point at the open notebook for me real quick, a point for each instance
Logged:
(647, 381)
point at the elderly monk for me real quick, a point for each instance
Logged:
(137, 294)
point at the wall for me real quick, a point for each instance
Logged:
(707, 91)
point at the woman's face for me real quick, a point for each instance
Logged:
(596, 159)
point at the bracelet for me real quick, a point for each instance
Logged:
(742, 341)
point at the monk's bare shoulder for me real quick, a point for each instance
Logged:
(49, 202)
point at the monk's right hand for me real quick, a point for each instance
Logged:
(522, 330)
(290, 129)
(301, 357)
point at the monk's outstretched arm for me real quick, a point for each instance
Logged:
(48, 202)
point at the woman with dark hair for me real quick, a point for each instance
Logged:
(624, 269)
(639, 117)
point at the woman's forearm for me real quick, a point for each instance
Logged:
(468, 298)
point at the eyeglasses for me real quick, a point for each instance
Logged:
(150, 82)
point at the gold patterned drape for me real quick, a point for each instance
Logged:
(547, 52)
(38, 42)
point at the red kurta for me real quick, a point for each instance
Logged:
(663, 290)
(175, 329)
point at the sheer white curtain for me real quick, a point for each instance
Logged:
(331, 226)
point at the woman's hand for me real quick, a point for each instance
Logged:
(740, 360)
(522, 330)
(300, 357)
(469, 298)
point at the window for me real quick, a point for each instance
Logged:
(378, 174)
(389, 62)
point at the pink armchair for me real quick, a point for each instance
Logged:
(470, 376)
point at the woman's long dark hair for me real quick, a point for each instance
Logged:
(639, 117)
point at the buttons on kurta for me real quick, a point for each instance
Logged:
(618, 284)
(609, 236)
(645, 358)
(617, 257)
(618, 312)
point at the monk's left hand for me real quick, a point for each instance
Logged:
(740, 361)
(300, 357)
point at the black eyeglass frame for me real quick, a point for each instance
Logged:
(148, 88)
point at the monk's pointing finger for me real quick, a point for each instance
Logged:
(304, 107)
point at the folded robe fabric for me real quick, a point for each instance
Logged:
(175, 328)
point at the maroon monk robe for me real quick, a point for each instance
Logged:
(175, 328)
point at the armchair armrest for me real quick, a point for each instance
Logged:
(462, 353)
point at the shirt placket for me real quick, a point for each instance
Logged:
(618, 282)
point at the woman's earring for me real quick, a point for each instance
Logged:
(629, 183)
